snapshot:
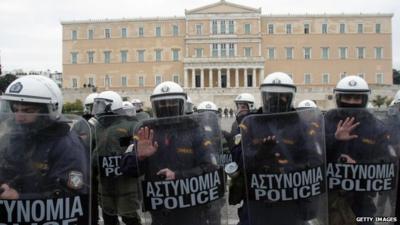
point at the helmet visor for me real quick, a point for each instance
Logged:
(101, 106)
(274, 102)
(168, 107)
(352, 100)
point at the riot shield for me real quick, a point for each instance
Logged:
(117, 192)
(284, 168)
(362, 157)
(44, 170)
(182, 182)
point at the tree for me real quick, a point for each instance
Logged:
(379, 100)
(396, 76)
(5, 81)
(73, 107)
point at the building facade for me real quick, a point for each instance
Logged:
(227, 46)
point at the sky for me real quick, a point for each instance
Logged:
(30, 30)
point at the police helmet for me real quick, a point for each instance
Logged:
(129, 108)
(277, 93)
(107, 102)
(207, 106)
(245, 98)
(168, 99)
(352, 91)
(189, 106)
(35, 90)
(88, 103)
(138, 104)
(307, 104)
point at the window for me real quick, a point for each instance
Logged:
(247, 28)
(175, 54)
(74, 35)
(324, 28)
(199, 29)
(289, 53)
(158, 31)
(342, 28)
(223, 27)
(307, 53)
(176, 79)
(74, 83)
(378, 52)
(107, 33)
(124, 32)
(124, 81)
(197, 78)
(158, 80)
(360, 52)
(91, 81)
(360, 28)
(378, 28)
(325, 78)
(141, 81)
(343, 75)
(306, 28)
(141, 31)
(158, 55)
(247, 52)
(231, 27)
(90, 34)
(379, 78)
(74, 57)
(271, 53)
(249, 78)
(107, 55)
(140, 55)
(361, 75)
(325, 53)
(214, 27)
(231, 50)
(175, 30)
(223, 50)
(270, 28)
(124, 56)
(215, 50)
(307, 78)
(288, 28)
(343, 53)
(90, 55)
(107, 81)
(199, 52)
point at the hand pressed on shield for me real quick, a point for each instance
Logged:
(346, 159)
(344, 129)
(270, 141)
(145, 145)
(167, 173)
(8, 192)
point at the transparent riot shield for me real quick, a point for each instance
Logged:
(44, 170)
(118, 192)
(362, 157)
(284, 168)
(182, 182)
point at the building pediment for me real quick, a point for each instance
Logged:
(223, 7)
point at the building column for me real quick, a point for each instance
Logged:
(210, 78)
(228, 78)
(219, 77)
(254, 84)
(236, 77)
(202, 77)
(193, 78)
(186, 78)
(261, 75)
(245, 77)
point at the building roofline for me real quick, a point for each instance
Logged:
(221, 2)
(68, 22)
(330, 15)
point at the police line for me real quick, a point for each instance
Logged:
(183, 193)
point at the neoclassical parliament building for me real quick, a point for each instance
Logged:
(224, 48)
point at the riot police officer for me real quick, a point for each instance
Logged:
(305, 104)
(274, 144)
(114, 126)
(189, 106)
(172, 147)
(355, 138)
(40, 159)
(88, 105)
